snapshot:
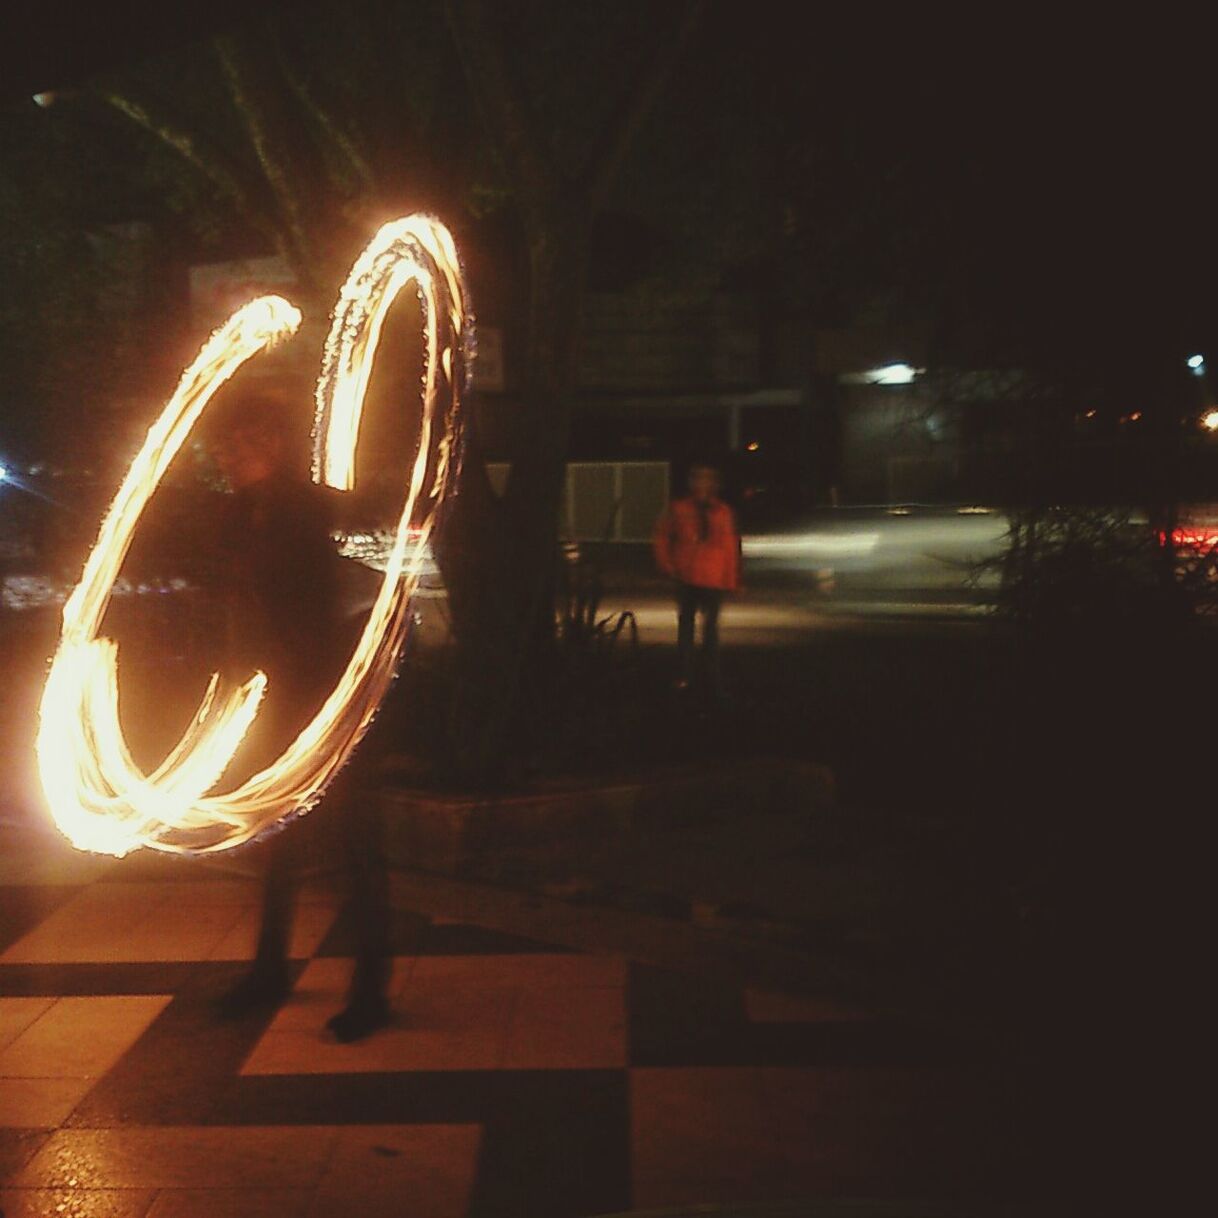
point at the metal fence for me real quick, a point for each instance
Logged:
(607, 500)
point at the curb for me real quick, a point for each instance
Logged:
(453, 834)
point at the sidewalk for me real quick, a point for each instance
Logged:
(545, 1060)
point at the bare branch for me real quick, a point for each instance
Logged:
(205, 155)
(637, 102)
(338, 136)
(266, 127)
(502, 102)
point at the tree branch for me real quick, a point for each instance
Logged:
(266, 126)
(502, 103)
(637, 102)
(338, 136)
(206, 156)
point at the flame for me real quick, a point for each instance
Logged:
(98, 796)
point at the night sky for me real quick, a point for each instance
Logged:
(1040, 188)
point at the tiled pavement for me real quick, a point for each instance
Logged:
(519, 1078)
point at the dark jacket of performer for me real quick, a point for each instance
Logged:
(281, 604)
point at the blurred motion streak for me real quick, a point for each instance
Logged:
(811, 544)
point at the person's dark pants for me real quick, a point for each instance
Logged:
(692, 601)
(351, 811)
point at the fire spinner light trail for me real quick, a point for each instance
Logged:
(98, 796)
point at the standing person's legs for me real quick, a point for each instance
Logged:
(687, 604)
(712, 600)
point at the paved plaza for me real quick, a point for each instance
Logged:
(520, 1076)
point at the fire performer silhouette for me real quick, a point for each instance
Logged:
(280, 590)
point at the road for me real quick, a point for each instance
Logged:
(837, 570)
(849, 570)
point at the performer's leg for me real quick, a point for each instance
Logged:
(357, 809)
(268, 983)
(278, 898)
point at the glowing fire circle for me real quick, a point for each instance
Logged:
(98, 796)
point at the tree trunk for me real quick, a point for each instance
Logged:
(498, 557)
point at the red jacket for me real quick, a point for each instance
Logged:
(684, 554)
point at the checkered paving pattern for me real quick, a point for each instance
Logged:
(517, 1077)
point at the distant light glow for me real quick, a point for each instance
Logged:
(373, 549)
(27, 592)
(3, 472)
(1196, 362)
(98, 796)
(885, 374)
(1209, 420)
(752, 446)
(1191, 538)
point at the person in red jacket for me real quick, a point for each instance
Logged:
(697, 545)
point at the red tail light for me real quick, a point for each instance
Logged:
(1191, 538)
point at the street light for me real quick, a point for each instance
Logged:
(886, 374)
(1196, 364)
(893, 374)
(1209, 420)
